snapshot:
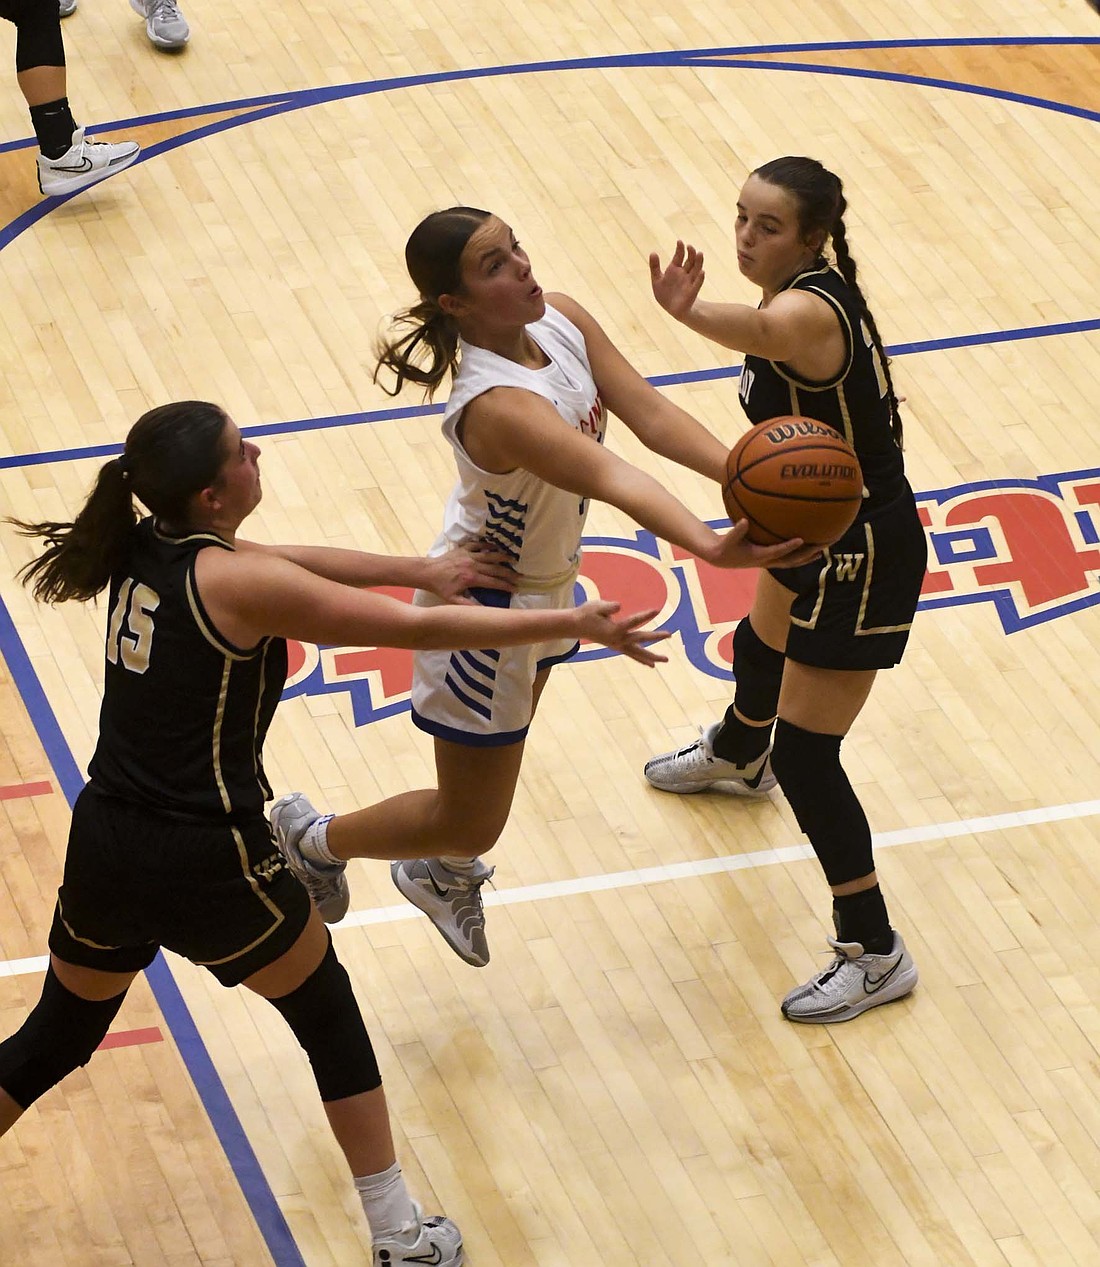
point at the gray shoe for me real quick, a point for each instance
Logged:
(291, 817)
(695, 768)
(851, 984)
(66, 8)
(452, 902)
(165, 25)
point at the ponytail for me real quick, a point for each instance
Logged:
(846, 265)
(425, 326)
(81, 556)
(171, 453)
(433, 256)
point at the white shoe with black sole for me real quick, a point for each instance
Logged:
(854, 982)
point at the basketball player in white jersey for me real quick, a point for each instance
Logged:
(534, 377)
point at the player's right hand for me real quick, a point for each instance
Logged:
(626, 635)
(735, 550)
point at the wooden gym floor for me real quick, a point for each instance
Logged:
(617, 1087)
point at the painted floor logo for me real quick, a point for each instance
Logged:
(1031, 548)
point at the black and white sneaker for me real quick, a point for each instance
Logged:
(439, 1244)
(694, 768)
(851, 984)
(84, 163)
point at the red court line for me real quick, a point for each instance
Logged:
(25, 789)
(131, 1038)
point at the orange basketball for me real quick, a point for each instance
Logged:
(793, 477)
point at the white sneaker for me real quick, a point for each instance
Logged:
(165, 25)
(84, 163)
(852, 983)
(291, 816)
(451, 901)
(439, 1243)
(66, 8)
(695, 768)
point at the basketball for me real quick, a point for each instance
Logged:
(793, 477)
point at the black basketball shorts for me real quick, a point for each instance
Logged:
(854, 607)
(136, 880)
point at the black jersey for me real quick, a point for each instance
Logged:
(184, 712)
(855, 402)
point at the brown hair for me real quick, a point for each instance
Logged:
(819, 197)
(432, 256)
(171, 453)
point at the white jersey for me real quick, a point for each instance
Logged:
(483, 697)
(536, 524)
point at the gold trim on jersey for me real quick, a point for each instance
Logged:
(833, 565)
(176, 539)
(216, 738)
(860, 631)
(242, 853)
(256, 720)
(86, 941)
(823, 576)
(205, 628)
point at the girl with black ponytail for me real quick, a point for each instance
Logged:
(169, 845)
(806, 656)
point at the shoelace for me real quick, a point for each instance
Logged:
(167, 9)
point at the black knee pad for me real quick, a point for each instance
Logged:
(324, 1015)
(807, 765)
(759, 673)
(59, 1036)
(38, 39)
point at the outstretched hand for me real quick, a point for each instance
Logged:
(735, 550)
(626, 635)
(476, 565)
(677, 287)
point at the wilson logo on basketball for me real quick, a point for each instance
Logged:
(796, 429)
(1031, 548)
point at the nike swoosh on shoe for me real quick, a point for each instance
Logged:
(872, 986)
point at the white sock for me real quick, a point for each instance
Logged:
(314, 844)
(388, 1206)
(461, 866)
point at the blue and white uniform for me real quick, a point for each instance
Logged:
(484, 697)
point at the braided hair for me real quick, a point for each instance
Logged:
(819, 197)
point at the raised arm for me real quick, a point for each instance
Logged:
(662, 426)
(780, 331)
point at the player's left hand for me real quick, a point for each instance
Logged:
(473, 566)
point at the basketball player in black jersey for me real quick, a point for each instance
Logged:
(806, 656)
(169, 845)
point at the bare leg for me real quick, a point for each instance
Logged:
(42, 84)
(10, 1112)
(462, 817)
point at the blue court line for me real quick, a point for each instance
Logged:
(370, 417)
(181, 1024)
(265, 107)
